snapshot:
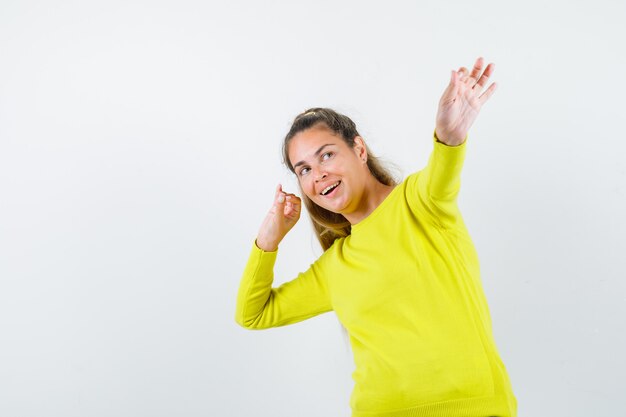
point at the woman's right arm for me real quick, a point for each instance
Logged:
(259, 306)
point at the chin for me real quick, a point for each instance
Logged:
(334, 209)
(324, 206)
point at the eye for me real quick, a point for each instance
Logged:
(323, 155)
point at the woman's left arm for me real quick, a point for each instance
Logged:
(437, 185)
(461, 102)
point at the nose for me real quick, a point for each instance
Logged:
(319, 176)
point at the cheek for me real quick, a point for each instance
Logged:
(310, 191)
(305, 187)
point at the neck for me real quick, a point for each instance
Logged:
(373, 195)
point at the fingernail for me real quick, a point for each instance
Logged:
(281, 198)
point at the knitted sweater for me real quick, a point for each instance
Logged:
(406, 285)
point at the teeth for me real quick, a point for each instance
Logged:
(329, 188)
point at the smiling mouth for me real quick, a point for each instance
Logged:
(332, 191)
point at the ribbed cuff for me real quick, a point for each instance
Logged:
(264, 251)
(447, 164)
(438, 142)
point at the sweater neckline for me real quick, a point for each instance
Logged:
(376, 210)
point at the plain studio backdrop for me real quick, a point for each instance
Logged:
(140, 150)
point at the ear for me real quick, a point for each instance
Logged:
(359, 148)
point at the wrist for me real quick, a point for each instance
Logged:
(449, 142)
(264, 246)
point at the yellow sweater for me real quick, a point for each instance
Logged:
(406, 285)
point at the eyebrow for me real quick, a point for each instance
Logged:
(317, 152)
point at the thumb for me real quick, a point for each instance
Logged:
(452, 89)
(281, 195)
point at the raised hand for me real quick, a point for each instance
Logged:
(461, 102)
(283, 215)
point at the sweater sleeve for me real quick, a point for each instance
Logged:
(434, 189)
(261, 306)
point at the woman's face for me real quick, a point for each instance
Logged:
(321, 159)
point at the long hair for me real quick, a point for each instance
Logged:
(328, 225)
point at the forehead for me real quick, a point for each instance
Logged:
(304, 144)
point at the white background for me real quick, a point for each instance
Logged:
(139, 153)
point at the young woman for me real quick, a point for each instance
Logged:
(399, 267)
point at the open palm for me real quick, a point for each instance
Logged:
(461, 102)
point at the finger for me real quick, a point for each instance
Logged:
(293, 198)
(478, 67)
(485, 96)
(452, 85)
(291, 208)
(294, 204)
(485, 77)
(463, 74)
(290, 196)
(279, 190)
